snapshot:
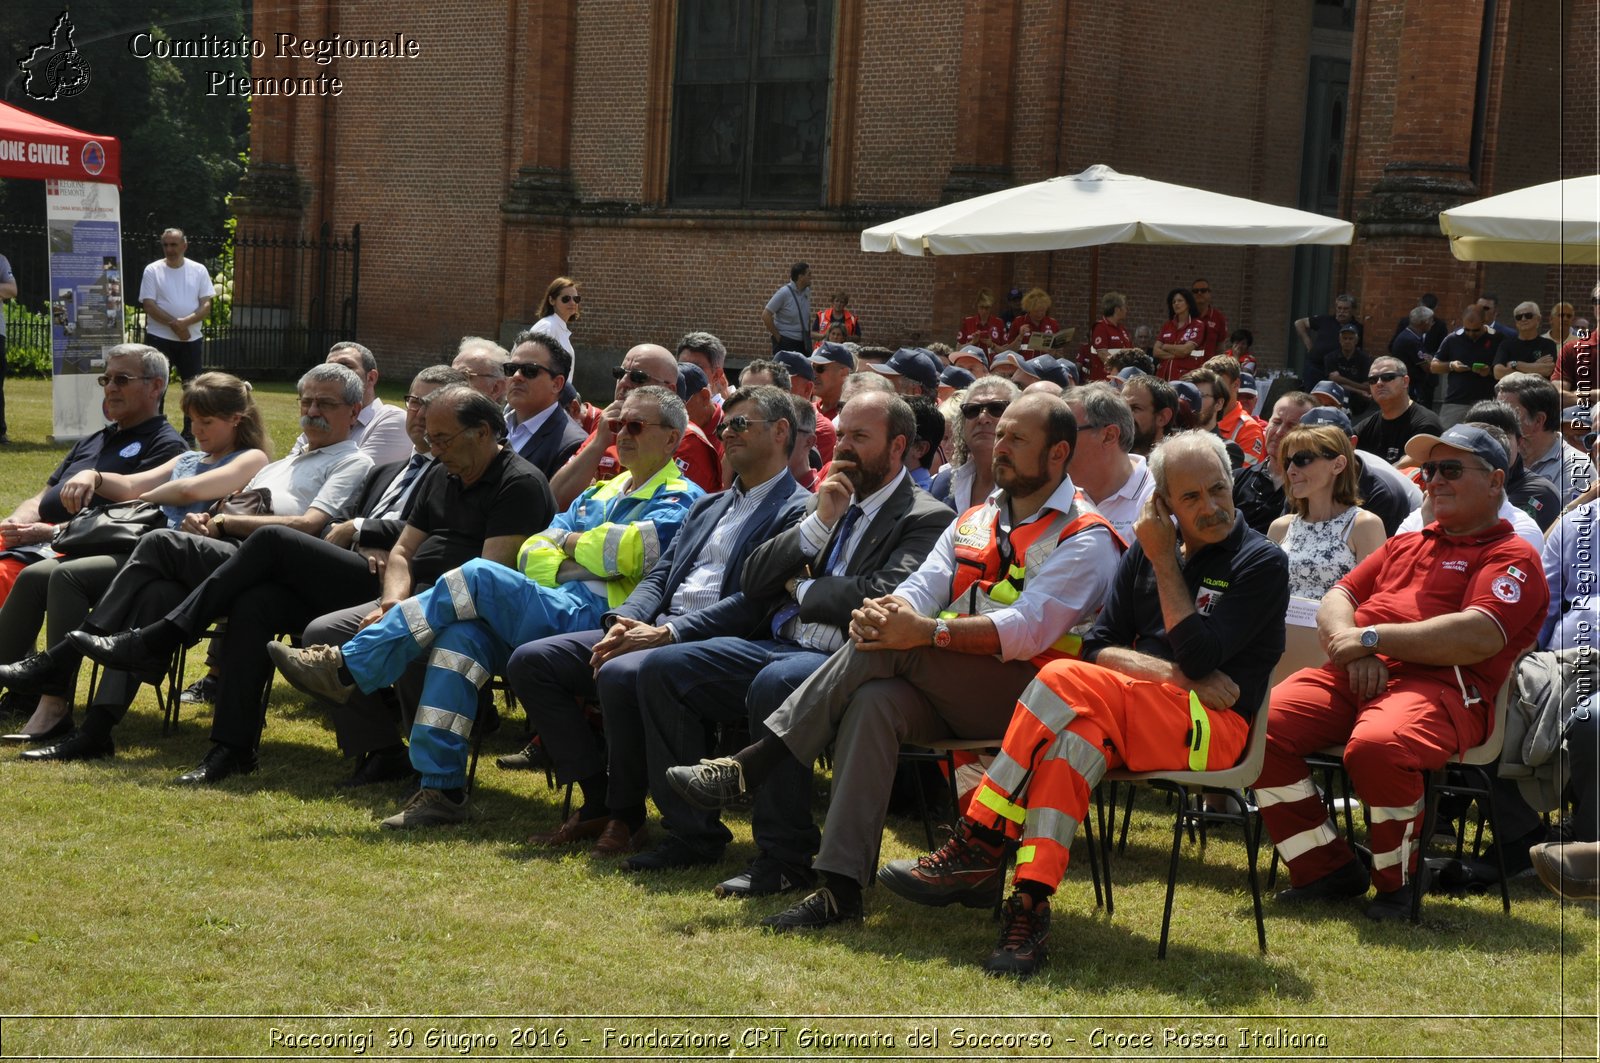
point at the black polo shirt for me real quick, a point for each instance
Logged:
(1324, 330)
(1241, 591)
(1516, 349)
(1387, 438)
(1468, 388)
(112, 449)
(512, 497)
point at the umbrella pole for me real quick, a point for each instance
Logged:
(1094, 285)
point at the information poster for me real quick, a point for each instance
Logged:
(86, 292)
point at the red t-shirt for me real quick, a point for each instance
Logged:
(695, 456)
(1425, 574)
(1239, 427)
(1577, 365)
(1194, 332)
(986, 334)
(1106, 335)
(827, 436)
(1216, 331)
(1022, 327)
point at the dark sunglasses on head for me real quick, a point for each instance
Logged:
(1383, 378)
(970, 410)
(737, 424)
(572, 298)
(632, 426)
(1524, 316)
(531, 370)
(1450, 470)
(638, 376)
(1305, 457)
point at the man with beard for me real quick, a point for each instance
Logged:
(1009, 587)
(1155, 410)
(867, 530)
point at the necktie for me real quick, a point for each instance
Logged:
(833, 567)
(390, 504)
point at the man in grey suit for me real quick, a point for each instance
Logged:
(868, 529)
(537, 428)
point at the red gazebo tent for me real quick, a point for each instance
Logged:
(39, 149)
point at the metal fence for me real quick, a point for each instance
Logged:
(281, 302)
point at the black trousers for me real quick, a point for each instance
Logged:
(183, 356)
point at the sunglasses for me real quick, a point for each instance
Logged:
(1525, 317)
(1201, 291)
(637, 376)
(531, 370)
(633, 427)
(1306, 457)
(122, 380)
(738, 424)
(970, 410)
(572, 298)
(1384, 378)
(1450, 470)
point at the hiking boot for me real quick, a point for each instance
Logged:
(962, 871)
(1024, 929)
(709, 785)
(427, 808)
(313, 670)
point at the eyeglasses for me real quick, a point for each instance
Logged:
(441, 442)
(632, 426)
(1201, 291)
(1525, 316)
(414, 402)
(1384, 378)
(121, 380)
(1450, 470)
(638, 376)
(320, 404)
(1306, 457)
(970, 410)
(738, 424)
(572, 298)
(530, 370)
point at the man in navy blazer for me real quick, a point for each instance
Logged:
(537, 428)
(693, 591)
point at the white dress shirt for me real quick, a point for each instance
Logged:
(814, 534)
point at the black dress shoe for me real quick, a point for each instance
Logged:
(61, 729)
(384, 765)
(218, 764)
(125, 651)
(30, 673)
(670, 855)
(77, 746)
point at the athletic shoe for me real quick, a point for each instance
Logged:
(202, 691)
(709, 785)
(819, 909)
(313, 670)
(428, 808)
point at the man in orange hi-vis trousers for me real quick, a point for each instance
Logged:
(1180, 657)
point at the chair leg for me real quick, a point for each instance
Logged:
(1486, 806)
(1127, 814)
(174, 702)
(1089, 844)
(1106, 811)
(1430, 814)
(1252, 840)
(1172, 868)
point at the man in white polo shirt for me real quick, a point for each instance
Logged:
(176, 295)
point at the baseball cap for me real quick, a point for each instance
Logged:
(1578, 416)
(913, 362)
(956, 377)
(1188, 394)
(568, 393)
(1128, 372)
(1048, 367)
(1329, 415)
(1333, 393)
(691, 380)
(836, 353)
(1462, 437)
(972, 351)
(1015, 293)
(1004, 358)
(1247, 383)
(797, 364)
(1349, 326)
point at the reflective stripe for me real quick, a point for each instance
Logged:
(1080, 755)
(997, 804)
(444, 720)
(1025, 854)
(1048, 539)
(1388, 859)
(608, 553)
(1383, 813)
(1070, 644)
(1047, 706)
(652, 544)
(461, 664)
(417, 623)
(1307, 840)
(460, 597)
(1051, 823)
(1000, 596)
(1267, 796)
(1005, 773)
(1199, 734)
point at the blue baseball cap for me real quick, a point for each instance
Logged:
(797, 364)
(972, 351)
(833, 353)
(1188, 394)
(1048, 367)
(1463, 437)
(691, 380)
(914, 362)
(956, 377)
(1329, 415)
(1327, 389)
(1247, 383)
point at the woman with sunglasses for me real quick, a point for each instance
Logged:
(233, 445)
(561, 307)
(969, 478)
(1326, 532)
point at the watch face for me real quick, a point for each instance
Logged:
(1369, 638)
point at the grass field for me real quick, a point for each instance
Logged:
(143, 915)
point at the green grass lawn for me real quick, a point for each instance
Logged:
(276, 899)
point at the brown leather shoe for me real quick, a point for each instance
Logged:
(617, 840)
(574, 830)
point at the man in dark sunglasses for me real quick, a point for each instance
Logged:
(1386, 430)
(596, 460)
(1465, 359)
(1420, 637)
(1527, 351)
(537, 426)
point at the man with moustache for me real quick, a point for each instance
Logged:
(868, 528)
(1009, 587)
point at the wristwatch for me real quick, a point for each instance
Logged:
(216, 522)
(1369, 638)
(941, 634)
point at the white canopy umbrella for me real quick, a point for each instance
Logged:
(1099, 206)
(1557, 222)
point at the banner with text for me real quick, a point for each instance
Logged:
(86, 285)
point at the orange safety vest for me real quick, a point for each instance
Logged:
(989, 578)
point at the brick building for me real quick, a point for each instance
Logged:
(677, 155)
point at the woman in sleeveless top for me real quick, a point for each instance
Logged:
(1325, 533)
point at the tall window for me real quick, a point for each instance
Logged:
(750, 117)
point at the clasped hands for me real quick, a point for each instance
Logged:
(889, 623)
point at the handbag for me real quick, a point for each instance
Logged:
(108, 529)
(254, 502)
